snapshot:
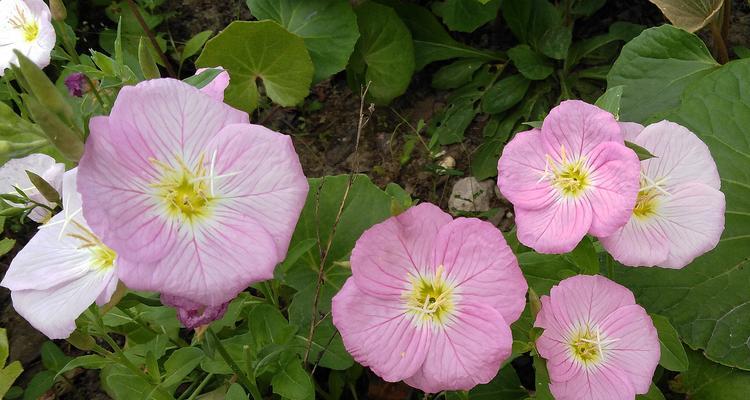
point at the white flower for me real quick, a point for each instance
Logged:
(62, 270)
(13, 175)
(26, 26)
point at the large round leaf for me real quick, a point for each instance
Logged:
(260, 50)
(708, 302)
(655, 69)
(690, 15)
(384, 54)
(329, 28)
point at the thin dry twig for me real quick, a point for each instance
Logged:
(363, 120)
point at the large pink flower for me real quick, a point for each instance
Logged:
(599, 344)
(197, 202)
(430, 300)
(679, 213)
(572, 177)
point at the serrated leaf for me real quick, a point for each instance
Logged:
(707, 301)
(655, 68)
(384, 55)
(260, 50)
(329, 28)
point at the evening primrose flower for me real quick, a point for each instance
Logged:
(679, 213)
(26, 26)
(598, 343)
(13, 176)
(197, 202)
(62, 270)
(572, 177)
(430, 300)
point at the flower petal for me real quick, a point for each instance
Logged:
(378, 333)
(638, 243)
(53, 311)
(693, 220)
(636, 349)
(191, 314)
(389, 252)
(615, 181)
(485, 270)
(681, 157)
(555, 229)
(578, 127)
(521, 169)
(210, 263)
(257, 173)
(630, 130)
(467, 352)
(605, 383)
(216, 87)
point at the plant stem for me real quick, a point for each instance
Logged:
(719, 44)
(241, 376)
(123, 358)
(200, 387)
(151, 38)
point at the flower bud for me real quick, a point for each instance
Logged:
(57, 9)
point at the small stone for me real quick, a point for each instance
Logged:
(471, 195)
(448, 162)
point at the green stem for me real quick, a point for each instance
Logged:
(122, 358)
(242, 376)
(200, 387)
(190, 389)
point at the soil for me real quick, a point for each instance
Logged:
(324, 131)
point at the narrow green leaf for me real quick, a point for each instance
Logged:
(180, 364)
(673, 356)
(52, 357)
(67, 141)
(46, 190)
(642, 153)
(8, 375)
(146, 60)
(43, 89)
(293, 382)
(610, 100)
(194, 45)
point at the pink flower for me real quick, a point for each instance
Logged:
(193, 315)
(599, 344)
(430, 300)
(198, 202)
(62, 270)
(679, 213)
(218, 85)
(572, 177)
(13, 176)
(77, 84)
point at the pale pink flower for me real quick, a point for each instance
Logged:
(598, 343)
(13, 176)
(218, 85)
(430, 300)
(62, 270)
(679, 213)
(572, 177)
(26, 26)
(197, 202)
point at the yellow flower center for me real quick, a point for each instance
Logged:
(570, 177)
(29, 27)
(30, 30)
(647, 202)
(102, 257)
(431, 298)
(588, 346)
(184, 191)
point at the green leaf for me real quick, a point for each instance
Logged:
(260, 50)
(610, 100)
(121, 383)
(466, 15)
(456, 74)
(541, 380)
(690, 15)
(39, 385)
(8, 375)
(455, 119)
(431, 41)
(618, 31)
(505, 386)
(584, 257)
(384, 54)
(23, 137)
(91, 361)
(529, 20)
(45, 189)
(327, 347)
(653, 394)
(530, 63)
(268, 326)
(149, 69)
(505, 94)
(293, 383)
(67, 141)
(542, 271)
(706, 380)
(655, 69)
(204, 78)
(673, 355)
(329, 28)
(194, 45)
(642, 153)
(708, 301)
(181, 363)
(236, 392)
(556, 42)
(484, 159)
(52, 357)
(4, 346)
